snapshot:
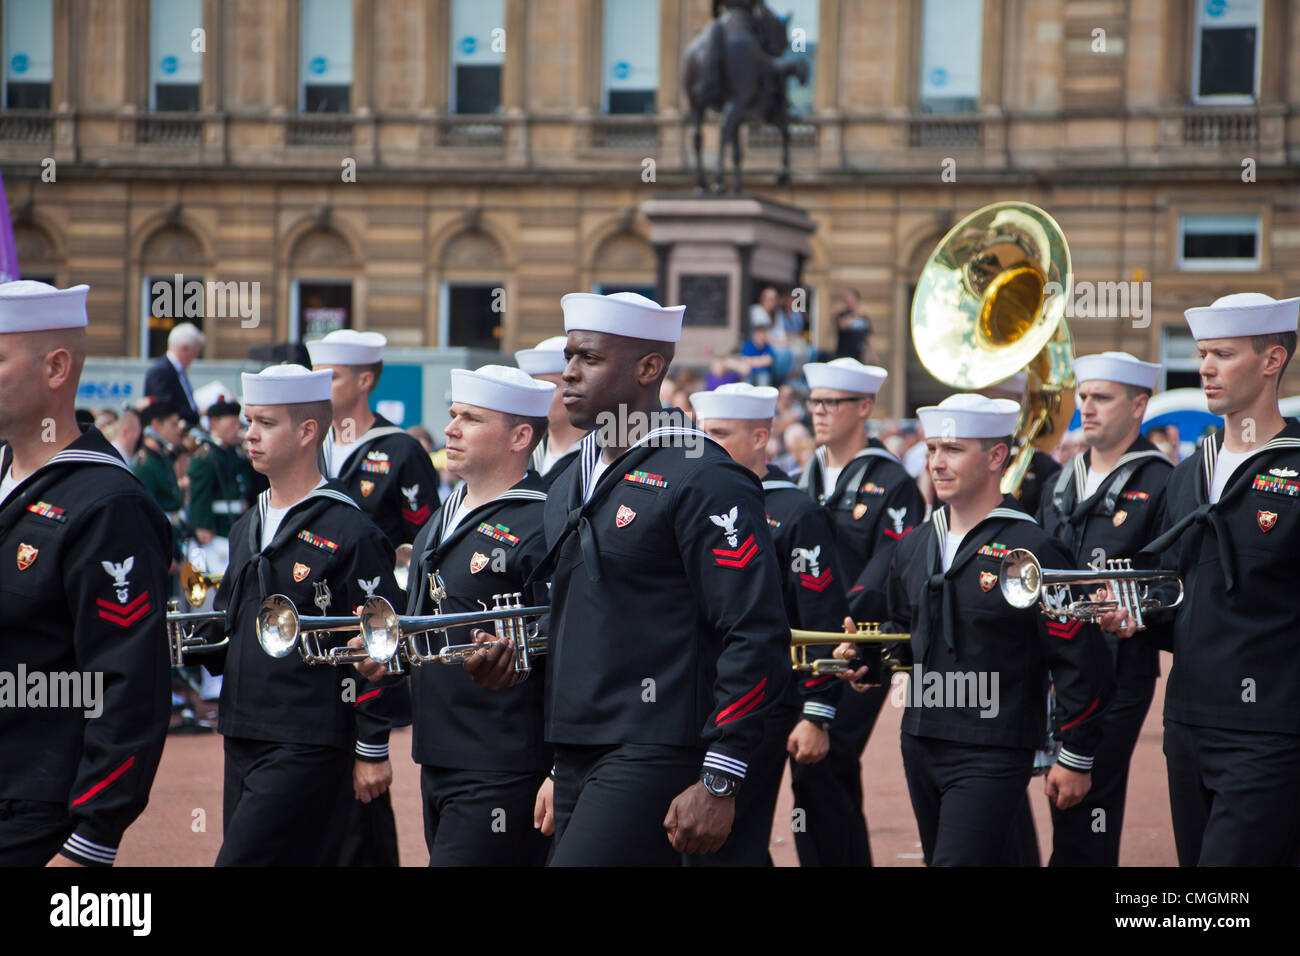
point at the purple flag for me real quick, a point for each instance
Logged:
(8, 251)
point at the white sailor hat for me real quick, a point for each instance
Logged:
(287, 385)
(1243, 313)
(347, 347)
(969, 416)
(547, 358)
(501, 388)
(1118, 367)
(845, 374)
(736, 400)
(30, 306)
(622, 313)
(1012, 384)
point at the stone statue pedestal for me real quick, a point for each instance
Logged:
(714, 255)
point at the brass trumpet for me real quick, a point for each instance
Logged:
(1023, 580)
(867, 633)
(382, 627)
(280, 628)
(181, 626)
(196, 584)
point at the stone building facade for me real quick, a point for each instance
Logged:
(444, 170)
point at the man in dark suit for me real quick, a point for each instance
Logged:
(167, 380)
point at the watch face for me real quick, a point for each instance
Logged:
(716, 784)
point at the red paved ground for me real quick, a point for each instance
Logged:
(173, 832)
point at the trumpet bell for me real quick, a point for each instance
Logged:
(1022, 578)
(980, 313)
(195, 584)
(277, 626)
(380, 629)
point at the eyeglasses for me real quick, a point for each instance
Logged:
(829, 404)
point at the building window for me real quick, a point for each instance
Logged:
(166, 301)
(1214, 242)
(472, 315)
(1225, 66)
(325, 56)
(319, 307)
(176, 67)
(631, 56)
(29, 54)
(800, 18)
(477, 53)
(1180, 362)
(951, 34)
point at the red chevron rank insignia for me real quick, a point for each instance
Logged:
(1065, 630)
(124, 615)
(416, 517)
(818, 583)
(737, 557)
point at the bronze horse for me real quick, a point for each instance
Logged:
(736, 65)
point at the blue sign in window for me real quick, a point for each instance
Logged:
(622, 70)
(317, 65)
(19, 63)
(169, 65)
(468, 45)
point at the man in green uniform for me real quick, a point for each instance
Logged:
(220, 485)
(153, 462)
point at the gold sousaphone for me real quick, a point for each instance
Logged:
(990, 302)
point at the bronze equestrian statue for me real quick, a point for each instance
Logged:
(737, 66)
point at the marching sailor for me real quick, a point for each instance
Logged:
(295, 734)
(1232, 530)
(739, 418)
(1105, 504)
(83, 595)
(482, 756)
(977, 694)
(873, 502)
(558, 448)
(666, 651)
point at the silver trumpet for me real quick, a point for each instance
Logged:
(181, 636)
(383, 629)
(1023, 580)
(280, 628)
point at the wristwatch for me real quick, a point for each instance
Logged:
(719, 784)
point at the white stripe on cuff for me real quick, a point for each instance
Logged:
(373, 751)
(813, 709)
(91, 851)
(731, 765)
(1072, 761)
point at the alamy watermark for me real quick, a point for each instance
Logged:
(1105, 300)
(191, 299)
(620, 428)
(71, 690)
